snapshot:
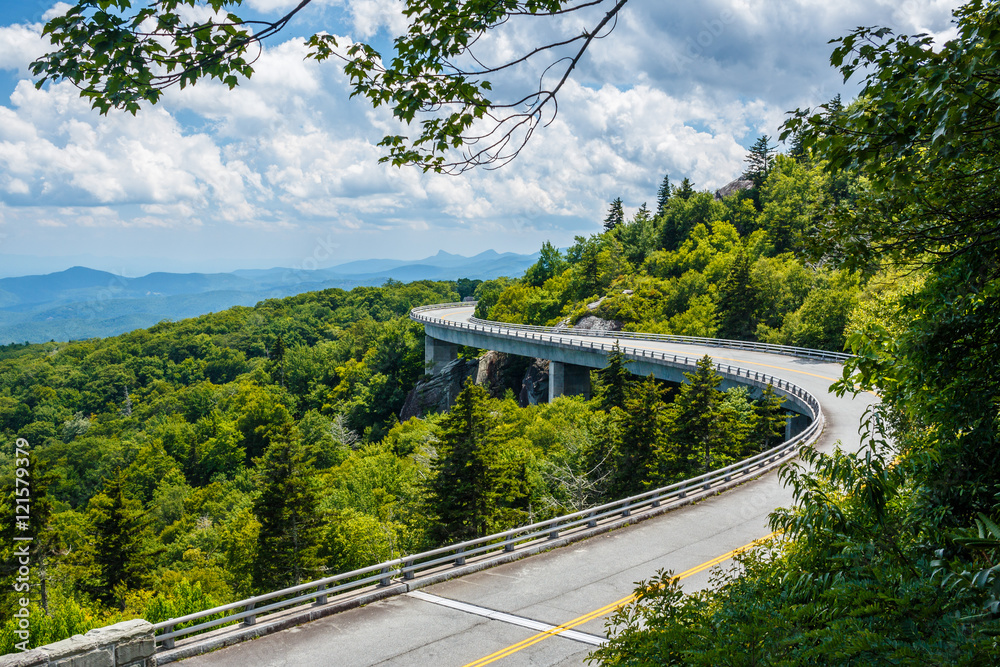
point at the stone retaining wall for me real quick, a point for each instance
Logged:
(127, 644)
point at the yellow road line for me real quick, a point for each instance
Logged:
(756, 363)
(606, 609)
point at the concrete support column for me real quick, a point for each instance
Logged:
(437, 353)
(796, 424)
(568, 379)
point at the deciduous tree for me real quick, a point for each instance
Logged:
(739, 300)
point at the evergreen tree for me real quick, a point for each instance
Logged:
(590, 270)
(771, 419)
(693, 430)
(122, 538)
(461, 488)
(759, 161)
(686, 189)
(738, 300)
(797, 150)
(663, 194)
(616, 381)
(616, 216)
(38, 508)
(641, 429)
(288, 511)
(639, 237)
(641, 215)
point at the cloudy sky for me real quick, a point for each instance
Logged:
(284, 170)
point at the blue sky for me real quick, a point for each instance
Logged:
(283, 170)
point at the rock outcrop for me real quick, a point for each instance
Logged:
(497, 372)
(500, 372)
(535, 384)
(437, 394)
(594, 323)
(733, 187)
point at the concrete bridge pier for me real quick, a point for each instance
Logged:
(796, 424)
(437, 353)
(568, 379)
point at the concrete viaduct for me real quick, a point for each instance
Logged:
(570, 364)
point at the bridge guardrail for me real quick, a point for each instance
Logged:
(417, 570)
(567, 339)
(804, 352)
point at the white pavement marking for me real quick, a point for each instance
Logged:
(583, 637)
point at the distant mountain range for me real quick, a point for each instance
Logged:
(83, 303)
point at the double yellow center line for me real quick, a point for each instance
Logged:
(607, 609)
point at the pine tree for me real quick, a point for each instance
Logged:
(122, 538)
(590, 270)
(288, 511)
(759, 161)
(461, 488)
(686, 189)
(663, 194)
(616, 215)
(771, 419)
(641, 215)
(797, 150)
(38, 508)
(616, 380)
(694, 430)
(738, 300)
(641, 428)
(126, 409)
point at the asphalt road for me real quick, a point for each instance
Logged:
(425, 629)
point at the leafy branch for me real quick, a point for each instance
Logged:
(122, 55)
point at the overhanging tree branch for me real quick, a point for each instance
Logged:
(122, 54)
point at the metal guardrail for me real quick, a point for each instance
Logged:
(803, 352)
(410, 569)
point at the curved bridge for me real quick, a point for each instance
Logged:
(573, 353)
(548, 609)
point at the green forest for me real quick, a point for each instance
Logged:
(199, 462)
(169, 465)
